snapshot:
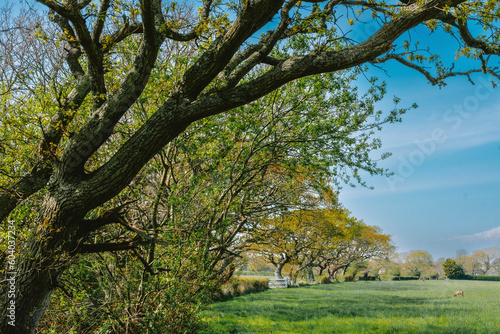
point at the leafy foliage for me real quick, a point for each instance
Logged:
(452, 269)
(328, 239)
(418, 262)
(481, 278)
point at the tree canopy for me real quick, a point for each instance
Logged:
(418, 262)
(452, 269)
(326, 238)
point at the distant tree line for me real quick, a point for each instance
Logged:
(384, 263)
(484, 262)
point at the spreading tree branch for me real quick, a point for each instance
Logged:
(439, 79)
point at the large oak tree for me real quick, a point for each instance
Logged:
(237, 56)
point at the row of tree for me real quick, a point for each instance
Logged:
(328, 240)
(480, 262)
(420, 264)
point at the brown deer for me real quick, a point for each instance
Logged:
(459, 292)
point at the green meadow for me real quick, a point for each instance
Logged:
(362, 307)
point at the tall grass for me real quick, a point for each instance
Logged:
(363, 307)
(238, 286)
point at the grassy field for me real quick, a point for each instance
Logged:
(363, 307)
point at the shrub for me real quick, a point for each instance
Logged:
(452, 269)
(395, 272)
(481, 278)
(325, 280)
(348, 278)
(241, 286)
(434, 275)
(406, 278)
(430, 276)
(387, 277)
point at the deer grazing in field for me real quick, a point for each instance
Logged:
(459, 292)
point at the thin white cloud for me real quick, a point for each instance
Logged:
(394, 186)
(462, 124)
(493, 234)
(473, 132)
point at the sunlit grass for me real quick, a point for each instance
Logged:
(363, 307)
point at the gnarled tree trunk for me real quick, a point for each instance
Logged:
(278, 268)
(40, 263)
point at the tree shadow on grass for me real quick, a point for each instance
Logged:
(320, 304)
(376, 307)
(371, 286)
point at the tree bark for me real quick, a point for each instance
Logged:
(310, 276)
(278, 268)
(41, 262)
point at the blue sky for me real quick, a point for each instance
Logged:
(445, 194)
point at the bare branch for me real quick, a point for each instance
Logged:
(265, 46)
(125, 31)
(61, 10)
(22, 189)
(74, 51)
(147, 266)
(110, 247)
(100, 125)
(432, 80)
(488, 49)
(101, 17)
(148, 14)
(372, 5)
(41, 172)
(216, 57)
(438, 80)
